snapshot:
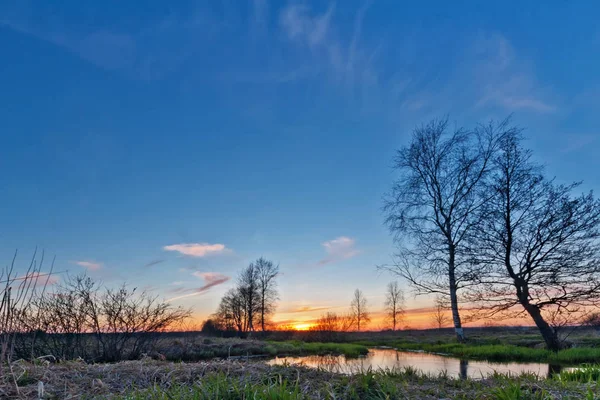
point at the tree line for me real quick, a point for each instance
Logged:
(249, 305)
(330, 325)
(478, 222)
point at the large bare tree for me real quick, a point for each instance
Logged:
(359, 310)
(249, 291)
(431, 208)
(394, 304)
(267, 288)
(537, 244)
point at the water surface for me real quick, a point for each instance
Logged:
(424, 362)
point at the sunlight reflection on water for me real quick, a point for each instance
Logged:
(424, 362)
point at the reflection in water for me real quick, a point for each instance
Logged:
(464, 367)
(426, 363)
(554, 369)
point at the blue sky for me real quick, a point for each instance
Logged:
(266, 128)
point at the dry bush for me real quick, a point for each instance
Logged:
(80, 319)
(331, 327)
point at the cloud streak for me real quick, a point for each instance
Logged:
(198, 249)
(348, 62)
(211, 279)
(504, 79)
(89, 265)
(155, 262)
(39, 279)
(306, 309)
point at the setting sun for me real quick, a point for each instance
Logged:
(303, 326)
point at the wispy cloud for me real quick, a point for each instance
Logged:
(148, 52)
(305, 309)
(578, 142)
(340, 248)
(210, 279)
(154, 262)
(347, 60)
(198, 249)
(39, 279)
(302, 26)
(504, 79)
(89, 265)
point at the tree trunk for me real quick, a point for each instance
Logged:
(262, 311)
(550, 337)
(460, 335)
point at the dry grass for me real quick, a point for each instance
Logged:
(232, 379)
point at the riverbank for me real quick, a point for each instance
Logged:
(508, 353)
(222, 379)
(507, 345)
(197, 348)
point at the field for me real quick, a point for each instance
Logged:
(194, 366)
(151, 379)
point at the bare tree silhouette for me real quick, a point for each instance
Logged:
(267, 287)
(252, 301)
(431, 208)
(359, 310)
(394, 304)
(439, 316)
(536, 245)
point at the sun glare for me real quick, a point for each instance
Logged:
(302, 326)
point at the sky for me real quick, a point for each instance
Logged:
(168, 145)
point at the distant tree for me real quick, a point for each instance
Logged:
(249, 291)
(252, 300)
(267, 288)
(537, 245)
(330, 325)
(359, 310)
(431, 207)
(232, 311)
(592, 320)
(211, 327)
(439, 316)
(394, 304)
(333, 322)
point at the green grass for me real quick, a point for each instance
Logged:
(299, 348)
(369, 385)
(585, 374)
(224, 348)
(220, 387)
(504, 352)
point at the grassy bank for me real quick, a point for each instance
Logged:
(201, 348)
(149, 379)
(517, 336)
(502, 352)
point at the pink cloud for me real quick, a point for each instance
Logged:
(197, 249)
(89, 265)
(340, 248)
(211, 279)
(39, 279)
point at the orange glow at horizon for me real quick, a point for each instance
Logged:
(302, 326)
(415, 318)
